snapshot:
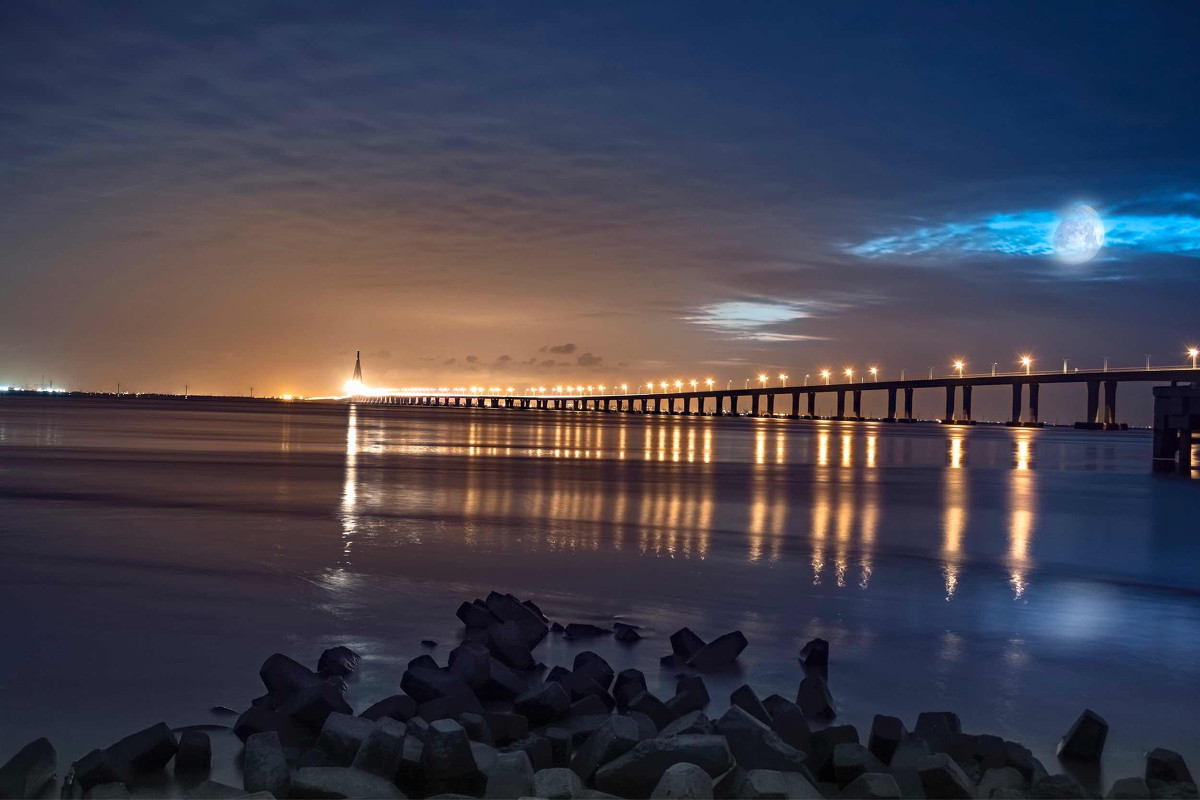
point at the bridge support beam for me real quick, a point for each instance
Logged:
(795, 405)
(812, 405)
(908, 405)
(1017, 404)
(967, 403)
(1033, 404)
(891, 405)
(770, 405)
(858, 404)
(754, 405)
(949, 415)
(841, 404)
(1092, 417)
(1110, 406)
(733, 403)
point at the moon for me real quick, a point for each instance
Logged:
(1079, 235)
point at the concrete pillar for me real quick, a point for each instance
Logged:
(812, 405)
(770, 405)
(687, 405)
(795, 404)
(733, 405)
(891, 400)
(1093, 403)
(841, 404)
(754, 405)
(908, 397)
(967, 402)
(949, 404)
(1033, 403)
(858, 403)
(1185, 451)
(658, 405)
(1015, 419)
(1110, 402)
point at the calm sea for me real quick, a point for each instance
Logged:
(153, 553)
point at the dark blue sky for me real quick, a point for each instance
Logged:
(239, 193)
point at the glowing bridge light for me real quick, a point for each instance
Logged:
(678, 385)
(825, 374)
(849, 372)
(1027, 363)
(763, 380)
(782, 379)
(709, 382)
(958, 365)
(1193, 352)
(874, 373)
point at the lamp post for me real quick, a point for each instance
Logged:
(1193, 352)
(782, 380)
(1026, 362)
(958, 366)
(874, 373)
(763, 380)
(825, 375)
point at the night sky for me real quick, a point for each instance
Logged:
(242, 194)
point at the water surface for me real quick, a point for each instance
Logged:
(155, 552)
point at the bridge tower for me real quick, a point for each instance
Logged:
(357, 377)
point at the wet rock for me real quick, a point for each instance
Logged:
(194, 753)
(485, 755)
(537, 612)
(755, 746)
(872, 786)
(588, 706)
(745, 698)
(636, 773)
(283, 676)
(507, 608)
(886, 735)
(543, 704)
(448, 707)
(646, 727)
(508, 644)
(629, 683)
(424, 684)
(769, 783)
(380, 752)
(626, 634)
(1128, 789)
(815, 658)
(506, 727)
(103, 791)
(585, 630)
(211, 790)
(788, 721)
(581, 728)
(471, 663)
(342, 782)
(476, 727)
(93, 769)
(989, 752)
(720, 652)
(684, 781)
(147, 750)
(814, 698)
(1084, 741)
(646, 703)
(340, 661)
(342, 736)
(423, 661)
(418, 728)
(1020, 758)
(312, 704)
(580, 684)
(556, 627)
(556, 783)
(1052, 787)
(939, 729)
(430, 643)
(264, 768)
(560, 746)
(1000, 778)
(409, 774)
(504, 683)
(851, 760)
(685, 701)
(823, 742)
(511, 775)
(538, 748)
(448, 763)
(943, 779)
(33, 766)
(595, 667)
(398, 706)
(691, 722)
(685, 644)
(615, 737)
(1167, 765)
(475, 615)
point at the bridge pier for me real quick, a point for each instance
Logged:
(812, 405)
(795, 405)
(1176, 421)
(908, 405)
(1033, 404)
(841, 404)
(754, 405)
(1110, 407)
(858, 404)
(967, 405)
(949, 415)
(733, 403)
(770, 405)
(891, 405)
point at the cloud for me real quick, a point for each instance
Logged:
(472, 359)
(449, 362)
(1157, 223)
(589, 360)
(760, 320)
(560, 349)
(503, 361)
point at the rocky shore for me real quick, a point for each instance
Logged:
(494, 722)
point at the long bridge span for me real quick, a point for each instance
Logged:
(761, 400)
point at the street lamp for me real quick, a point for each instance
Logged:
(624, 388)
(678, 386)
(694, 383)
(709, 383)
(825, 375)
(663, 384)
(874, 373)
(782, 380)
(763, 380)
(806, 379)
(1026, 362)
(1192, 353)
(958, 365)
(849, 373)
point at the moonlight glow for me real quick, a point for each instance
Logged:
(1079, 235)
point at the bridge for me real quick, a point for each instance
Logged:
(761, 400)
